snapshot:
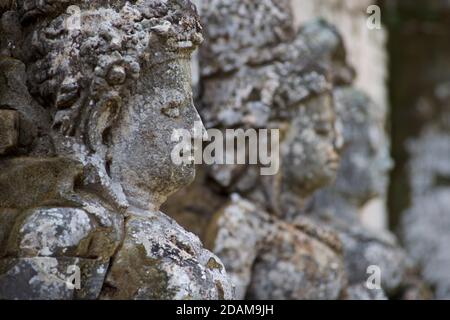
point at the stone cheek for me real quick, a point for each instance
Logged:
(9, 130)
(172, 264)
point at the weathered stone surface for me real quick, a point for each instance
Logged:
(42, 180)
(7, 219)
(32, 126)
(295, 264)
(98, 87)
(267, 258)
(55, 231)
(9, 130)
(290, 90)
(362, 251)
(47, 278)
(172, 264)
(242, 32)
(236, 234)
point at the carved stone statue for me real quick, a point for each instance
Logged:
(287, 86)
(362, 175)
(365, 160)
(307, 160)
(89, 97)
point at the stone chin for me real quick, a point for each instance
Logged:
(148, 181)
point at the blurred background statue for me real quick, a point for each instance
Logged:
(247, 219)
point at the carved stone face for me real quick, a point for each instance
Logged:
(129, 84)
(308, 152)
(365, 159)
(142, 143)
(298, 102)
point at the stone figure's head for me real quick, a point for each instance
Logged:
(291, 91)
(309, 150)
(365, 160)
(117, 79)
(292, 97)
(313, 131)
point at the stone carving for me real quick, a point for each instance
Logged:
(362, 175)
(85, 152)
(365, 47)
(259, 228)
(366, 50)
(92, 91)
(287, 87)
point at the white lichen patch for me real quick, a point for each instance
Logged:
(47, 232)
